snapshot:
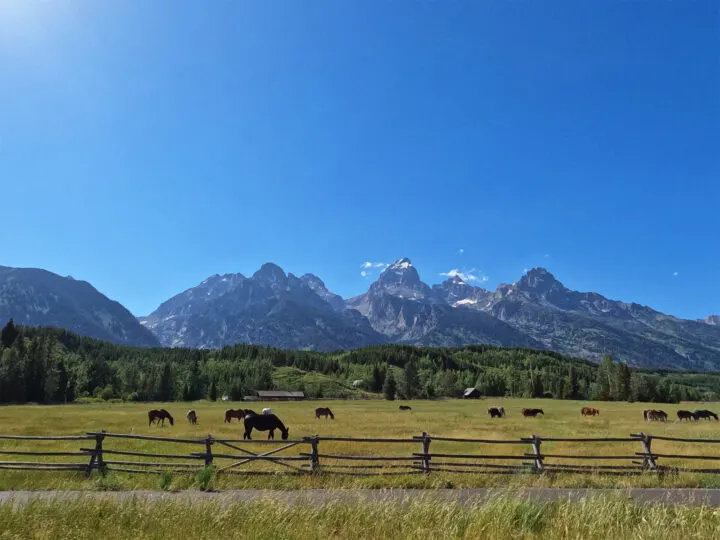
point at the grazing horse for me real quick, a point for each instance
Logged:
(267, 410)
(686, 415)
(704, 413)
(405, 408)
(589, 411)
(159, 416)
(234, 413)
(532, 412)
(265, 422)
(654, 415)
(192, 416)
(324, 411)
(496, 412)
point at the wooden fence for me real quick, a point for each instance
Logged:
(103, 452)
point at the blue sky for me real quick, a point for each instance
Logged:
(147, 145)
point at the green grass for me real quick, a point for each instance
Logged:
(360, 418)
(598, 518)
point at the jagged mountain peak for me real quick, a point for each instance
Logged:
(270, 272)
(713, 319)
(538, 280)
(400, 264)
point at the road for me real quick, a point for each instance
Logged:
(318, 497)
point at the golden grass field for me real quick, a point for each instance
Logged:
(597, 518)
(372, 418)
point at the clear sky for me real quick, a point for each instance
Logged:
(145, 145)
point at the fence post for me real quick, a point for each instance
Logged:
(97, 456)
(536, 442)
(426, 450)
(314, 455)
(208, 450)
(648, 458)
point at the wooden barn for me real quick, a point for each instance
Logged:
(279, 395)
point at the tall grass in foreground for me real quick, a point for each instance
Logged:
(603, 518)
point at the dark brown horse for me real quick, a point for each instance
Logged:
(234, 413)
(159, 416)
(496, 412)
(265, 422)
(589, 411)
(704, 413)
(324, 411)
(405, 408)
(532, 412)
(686, 415)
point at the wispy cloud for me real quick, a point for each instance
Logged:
(525, 270)
(676, 274)
(546, 256)
(466, 275)
(363, 273)
(368, 264)
(461, 251)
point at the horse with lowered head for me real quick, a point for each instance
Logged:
(192, 416)
(324, 411)
(159, 416)
(496, 412)
(686, 415)
(589, 411)
(532, 412)
(234, 413)
(264, 422)
(704, 413)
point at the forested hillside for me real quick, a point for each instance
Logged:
(52, 365)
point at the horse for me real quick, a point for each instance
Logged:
(159, 416)
(265, 422)
(654, 415)
(704, 413)
(532, 412)
(324, 411)
(589, 411)
(267, 410)
(405, 408)
(234, 413)
(496, 412)
(686, 415)
(192, 416)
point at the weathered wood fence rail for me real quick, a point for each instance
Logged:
(230, 455)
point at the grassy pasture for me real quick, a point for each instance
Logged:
(450, 418)
(597, 518)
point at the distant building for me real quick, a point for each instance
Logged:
(471, 393)
(278, 395)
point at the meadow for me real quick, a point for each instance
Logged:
(592, 518)
(361, 418)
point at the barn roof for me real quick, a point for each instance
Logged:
(469, 391)
(279, 394)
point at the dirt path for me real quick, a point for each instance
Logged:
(709, 497)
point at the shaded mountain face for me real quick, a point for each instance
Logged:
(589, 325)
(34, 297)
(403, 308)
(456, 292)
(269, 308)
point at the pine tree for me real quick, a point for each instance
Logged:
(166, 386)
(8, 334)
(412, 382)
(390, 386)
(212, 394)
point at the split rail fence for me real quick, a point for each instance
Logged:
(101, 451)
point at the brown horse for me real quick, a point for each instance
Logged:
(159, 416)
(496, 412)
(324, 411)
(265, 422)
(686, 415)
(532, 412)
(405, 408)
(192, 416)
(234, 413)
(704, 413)
(589, 411)
(654, 415)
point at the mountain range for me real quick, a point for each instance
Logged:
(283, 310)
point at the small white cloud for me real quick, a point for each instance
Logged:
(465, 275)
(676, 274)
(363, 273)
(368, 264)
(461, 251)
(547, 255)
(525, 270)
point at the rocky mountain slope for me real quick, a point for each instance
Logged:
(40, 298)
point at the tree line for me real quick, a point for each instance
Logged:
(47, 365)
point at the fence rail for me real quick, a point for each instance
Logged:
(310, 460)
